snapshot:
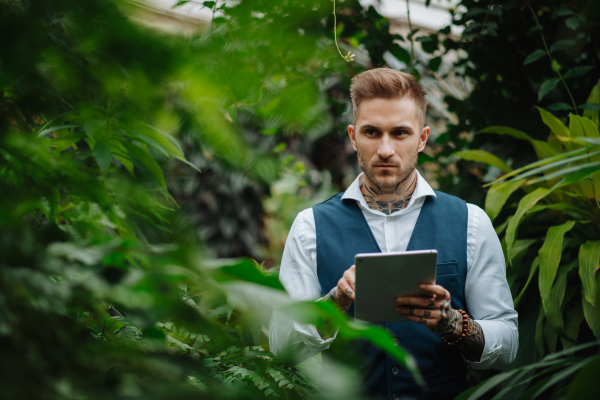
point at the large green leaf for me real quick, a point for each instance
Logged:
(540, 163)
(572, 322)
(571, 175)
(542, 149)
(585, 386)
(525, 205)
(102, 155)
(498, 194)
(555, 125)
(484, 157)
(534, 267)
(589, 255)
(582, 127)
(550, 256)
(141, 156)
(593, 98)
(592, 313)
(557, 295)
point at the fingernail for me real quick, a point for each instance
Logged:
(400, 300)
(421, 286)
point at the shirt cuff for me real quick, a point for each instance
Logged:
(492, 345)
(311, 338)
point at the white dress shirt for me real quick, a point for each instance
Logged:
(487, 294)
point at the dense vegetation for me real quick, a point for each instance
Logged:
(133, 164)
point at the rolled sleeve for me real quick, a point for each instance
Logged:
(487, 293)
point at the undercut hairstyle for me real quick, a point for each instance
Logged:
(387, 83)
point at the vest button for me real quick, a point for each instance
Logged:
(395, 371)
(395, 396)
(388, 219)
(395, 342)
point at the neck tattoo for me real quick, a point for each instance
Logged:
(387, 200)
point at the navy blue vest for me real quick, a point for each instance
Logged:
(342, 232)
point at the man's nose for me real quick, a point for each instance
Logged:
(385, 150)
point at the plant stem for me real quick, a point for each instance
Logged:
(346, 58)
(537, 22)
(412, 42)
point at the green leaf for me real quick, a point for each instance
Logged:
(593, 98)
(560, 107)
(535, 29)
(590, 106)
(505, 130)
(484, 157)
(244, 270)
(92, 126)
(592, 313)
(562, 45)
(102, 155)
(140, 156)
(525, 205)
(572, 22)
(532, 270)
(589, 256)
(536, 55)
(573, 321)
(555, 125)
(578, 71)
(585, 385)
(498, 194)
(547, 87)
(400, 53)
(434, 63)
(550, 256)
(170, 144)
(57, 128)
(562, 12)
(557, 295)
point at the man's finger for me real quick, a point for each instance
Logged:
(422, 302)
(422, 321)
(345, 289)
(413, 311)
(438, 290)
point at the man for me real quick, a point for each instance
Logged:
(389, 208)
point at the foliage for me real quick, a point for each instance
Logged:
(105, 291)
(553, 232)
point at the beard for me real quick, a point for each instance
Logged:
(388, 180)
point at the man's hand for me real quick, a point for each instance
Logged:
(343, 293)
(435, 312)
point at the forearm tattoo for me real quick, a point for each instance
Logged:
(450, 326)
(387, 200)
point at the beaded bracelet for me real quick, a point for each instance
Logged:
(466, 327)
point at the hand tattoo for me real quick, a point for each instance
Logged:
(431, 303)
(422, 321)
(411, 310)
(450, 326)
(426, 313)
(335, 296)
(349, 292)
(387, 200)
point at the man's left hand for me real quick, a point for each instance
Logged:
(435, 312)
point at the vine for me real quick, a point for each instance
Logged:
(348, 57)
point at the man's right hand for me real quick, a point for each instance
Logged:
(343, 293)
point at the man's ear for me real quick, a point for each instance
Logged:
(352, 137)
(423, 139)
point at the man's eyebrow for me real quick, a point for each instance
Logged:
(395, 128)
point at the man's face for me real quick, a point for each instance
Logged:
(388, 137)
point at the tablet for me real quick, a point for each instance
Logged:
(382, 277)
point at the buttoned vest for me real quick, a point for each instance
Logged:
(342, 232)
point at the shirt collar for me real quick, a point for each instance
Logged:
(423, 189)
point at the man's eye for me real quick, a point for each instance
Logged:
(370, 132)
(400, 133)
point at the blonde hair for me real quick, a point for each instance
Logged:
(387, 83)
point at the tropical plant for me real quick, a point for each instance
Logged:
(552, 236)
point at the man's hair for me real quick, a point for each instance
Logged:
(387, 83)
